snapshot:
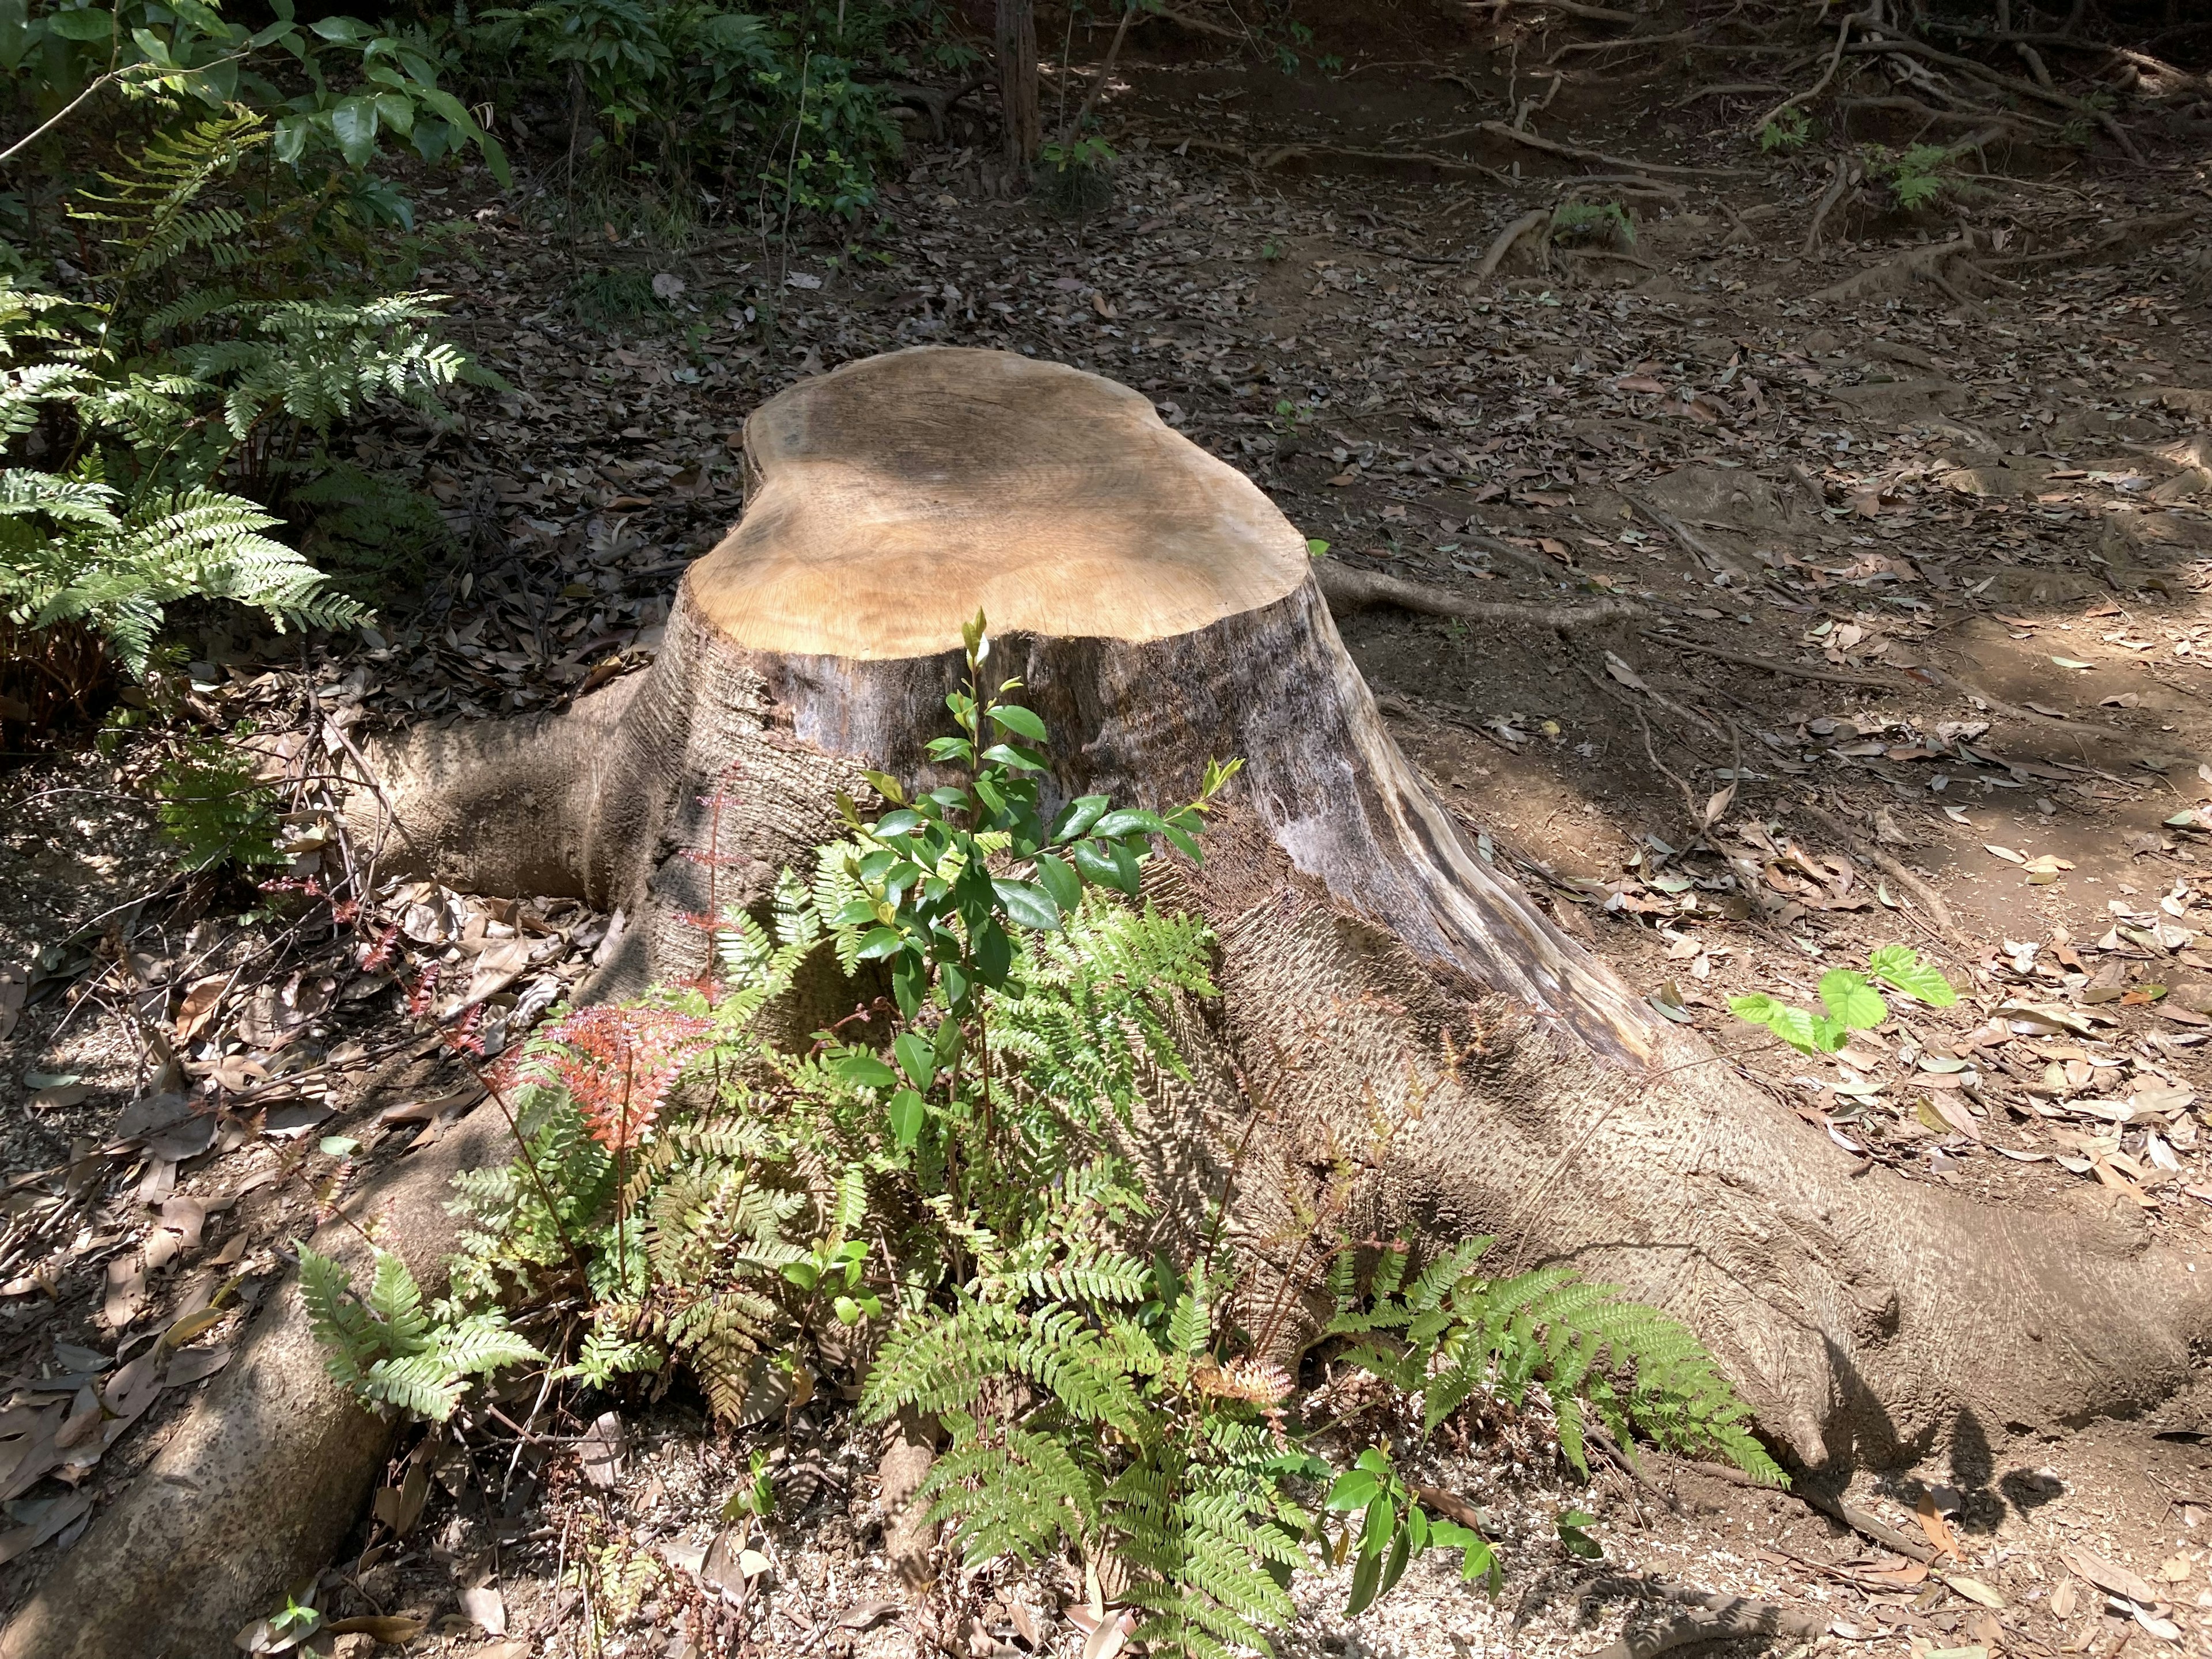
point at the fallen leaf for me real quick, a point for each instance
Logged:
(2063, 1600)
(2109, 1576)
(484, 1604)
(867, 1615)
(2004, 853)
(600, 1451)
(1100, 304)
(1933, 1524)
(392, 1628)
(45, 1519)
(198, 1008)
(1974, 1590)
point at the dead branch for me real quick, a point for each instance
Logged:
(1347, 591)
(1956, 118)
(1893, 867)
(1627, 41)
(1506, 238)
(1918, 1549)
(1196, 25)
(1796, 670)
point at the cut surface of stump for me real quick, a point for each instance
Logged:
(1402, 1009)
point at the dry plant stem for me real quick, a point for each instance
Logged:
(1129, 10)
(1506, 238)
(1894, 867)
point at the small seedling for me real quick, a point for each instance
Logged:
(1393, 1529)
(1918, 177)
(1853, 1002)
(755, 1494)
(1576, 1540)
(1603, 223)
(1787, 133)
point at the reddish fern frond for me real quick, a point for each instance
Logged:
(424, 996)
(379, 954)
(616, 1061)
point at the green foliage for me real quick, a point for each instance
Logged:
(1603, 223)
(370, 532)
(1918, 176)
(1451, 1333)
(1394, 1529)
(212, 803)
(1852, 1001)
(1787, 133)
(388, 1348)
(942, 1176)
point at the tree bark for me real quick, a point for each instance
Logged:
(1018, 87)
(1423, 1051)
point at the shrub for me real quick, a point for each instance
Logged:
(945, 1195)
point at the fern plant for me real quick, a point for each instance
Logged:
(388, 1349)
(1450, 1332)
(215, 808)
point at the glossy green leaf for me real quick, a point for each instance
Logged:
(1855, 1005)
(1904, 969)
(906, 1114)
(916, 1057)
(1022, 722)
(857, 1065)
(352, 124)
(1028, 904)
(86, 25)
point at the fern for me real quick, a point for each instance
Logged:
(1450, 1334)
(389, 1349)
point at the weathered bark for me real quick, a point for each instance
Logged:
(1018, 87)
(1403, 1010)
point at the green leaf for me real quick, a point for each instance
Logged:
(1077, 818)
(1574, 1540)
(1028, 904)
(879, 943)
(1365, 1580)
(1793, 1025)
(916, 1058)
(1018, 721)
(1354, 1490)
(1058, 878)
(83, 25)
(1856, 1006)
(1905, 969)
(859, 1067)
(886, 786)
(352, 124)
(907, 1114)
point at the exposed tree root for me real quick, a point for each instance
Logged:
(1506, 238)
(2011, 83)
(1893, 274)
(1575, 153)
(1892, 866)
(2135, 233)
(1842, 39)
(1347, 591)
(1841, 173)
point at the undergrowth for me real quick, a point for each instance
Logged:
(930, 1199)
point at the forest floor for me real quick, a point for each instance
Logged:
(1914, 514)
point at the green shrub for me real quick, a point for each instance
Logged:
(945, 1195)
(213, 805)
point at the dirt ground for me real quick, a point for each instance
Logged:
(1920, 547)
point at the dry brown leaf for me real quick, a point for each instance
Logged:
(1933, 1524)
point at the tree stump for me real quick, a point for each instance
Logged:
(1426, 1048)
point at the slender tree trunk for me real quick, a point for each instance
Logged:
(1018, 87)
